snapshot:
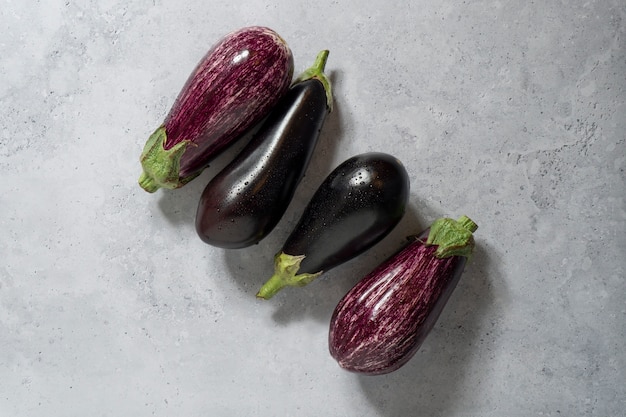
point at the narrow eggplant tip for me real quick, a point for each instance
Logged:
(268, 290)
(467, 223)
(316, 71)
(285, 275)
(147, 183)
(320, 60)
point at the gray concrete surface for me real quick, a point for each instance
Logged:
(511, 112)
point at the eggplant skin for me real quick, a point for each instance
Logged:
(382, 321)
(355, 207)
(233, 87)
(245, 201)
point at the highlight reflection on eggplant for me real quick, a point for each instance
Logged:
(355, 207)
(244, 202)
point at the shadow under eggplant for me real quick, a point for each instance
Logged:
(430, 383)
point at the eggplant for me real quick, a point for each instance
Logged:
(383, 320)
(355, 207)
(233, 87)
(244, 202)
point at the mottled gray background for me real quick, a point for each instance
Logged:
(512, 112)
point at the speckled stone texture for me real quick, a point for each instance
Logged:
(511, 112)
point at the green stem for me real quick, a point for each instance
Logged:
(147, 183)
(467, 223)
(452, 237)
(161, 167)
(316, 71)
(285, 274)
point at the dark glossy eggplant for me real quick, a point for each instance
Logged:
(357, 205)
(382, 321)
(244, 202)
(232, 88)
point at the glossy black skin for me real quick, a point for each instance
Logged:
(245, 201)
(356, 206)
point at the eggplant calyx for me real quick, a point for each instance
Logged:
(285, 274)
(452, 237)
(160, 166)
(316, 72)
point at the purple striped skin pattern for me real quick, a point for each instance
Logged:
(382, 321)
(235, 85)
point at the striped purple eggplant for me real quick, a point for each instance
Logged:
(382, 321)
(231, 89)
